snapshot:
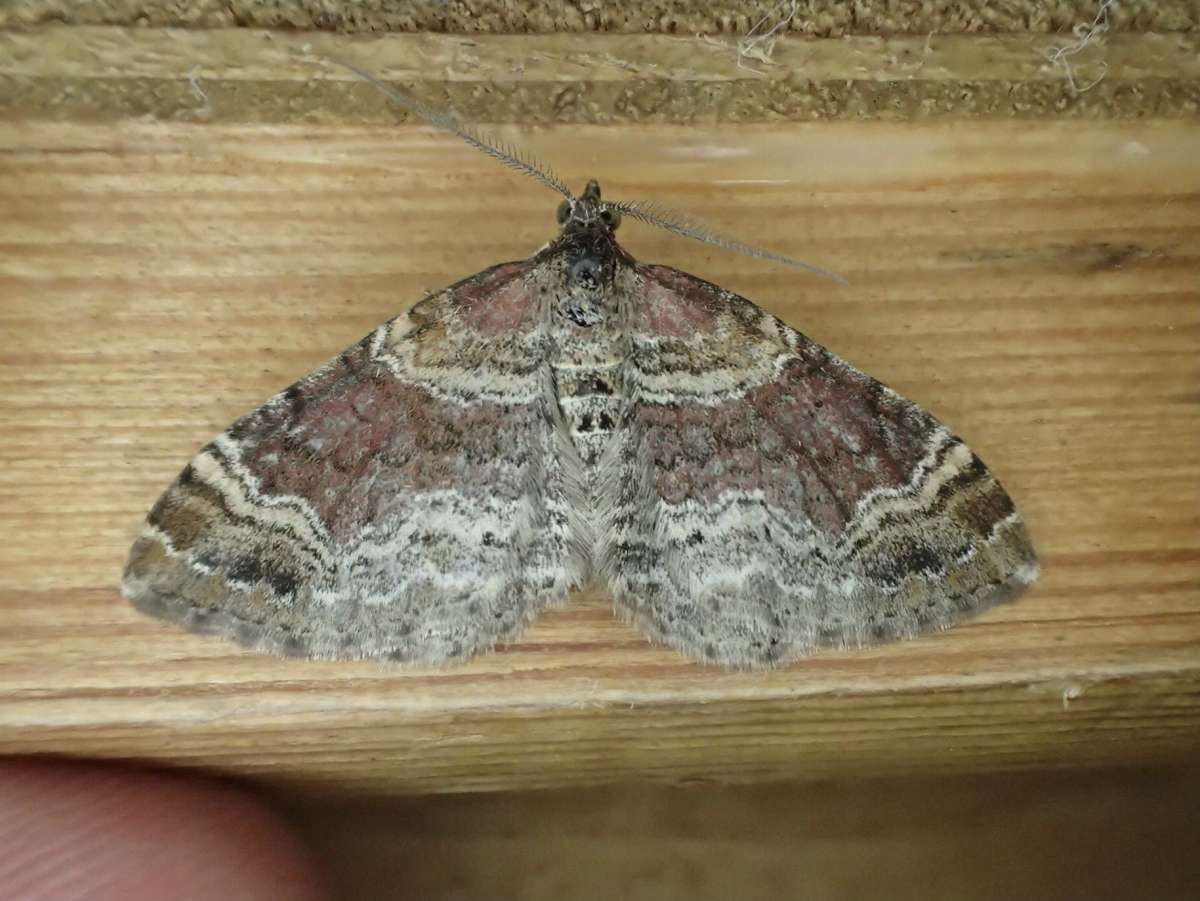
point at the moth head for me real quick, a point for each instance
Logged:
(588, 212)
(588, 209)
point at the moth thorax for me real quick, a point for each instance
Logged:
(585, 301)
(589, 355)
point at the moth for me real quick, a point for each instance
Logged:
(571, 419)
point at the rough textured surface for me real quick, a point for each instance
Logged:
(1034, 286)
(829, 18)
(254, 76)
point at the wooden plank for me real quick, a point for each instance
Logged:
(260, 56)
(1033, 286)
(254, 76)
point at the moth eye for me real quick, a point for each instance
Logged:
(610, 217)
(564, 212)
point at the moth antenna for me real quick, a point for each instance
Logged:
(505, 153)
(672, 221)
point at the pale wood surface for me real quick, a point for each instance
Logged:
(1035, 286)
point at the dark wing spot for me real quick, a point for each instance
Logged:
(245, 569)
(914, 558)
(296, 400)
(282, 583)
(923, 558)
(251, 571)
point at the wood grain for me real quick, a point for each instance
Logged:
(1034, 286)
(245, 75)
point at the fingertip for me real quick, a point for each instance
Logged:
(80, 829)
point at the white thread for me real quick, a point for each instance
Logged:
(198, 92)
(759, 47)
(1085, 36)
